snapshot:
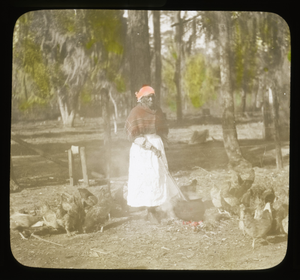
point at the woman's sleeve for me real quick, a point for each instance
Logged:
(142, 141)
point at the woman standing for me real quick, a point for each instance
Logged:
(149, 183)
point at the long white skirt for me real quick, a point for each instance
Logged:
(149, 184)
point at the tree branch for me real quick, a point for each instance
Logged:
(186, 20)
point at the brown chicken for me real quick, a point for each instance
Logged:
(70, 214)
(96, 217)
(222, 199)
(258, 195)
(256, 228)
(74, 217)
(87, 198)
(99, 214)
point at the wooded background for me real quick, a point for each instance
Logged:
(228, 62)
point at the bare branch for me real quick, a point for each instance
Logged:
(186, 20)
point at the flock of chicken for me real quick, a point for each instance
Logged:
(78, 212)
(260, 210)
(83, 213)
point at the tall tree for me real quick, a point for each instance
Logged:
(274, 34)
(177, 75)
(244, 48)
(228, 118)
(68, 60)
(236, 160)
(31, 83)
(157, 54)
(138, 36)
(65, 47)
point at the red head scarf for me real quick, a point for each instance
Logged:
(145, 90)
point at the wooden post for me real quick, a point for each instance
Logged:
(71, 168)
(83, 165)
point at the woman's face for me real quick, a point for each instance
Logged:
(149, 101)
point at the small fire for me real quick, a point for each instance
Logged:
(191, 223)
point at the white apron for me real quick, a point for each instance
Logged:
(148, 182)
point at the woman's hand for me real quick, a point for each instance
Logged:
(156, 151)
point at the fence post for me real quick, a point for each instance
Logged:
(71, 167)
(83, 165)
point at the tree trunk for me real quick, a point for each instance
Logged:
(24, 87)
(67, 113)
(139, 51)
(243, 93)
(254, 96)
(107, 132)
(157, 51)
(237, 163)
(177, 74)
(274, 104)
(228, 119)
(267, 116)
(192, 39)
(115, 113)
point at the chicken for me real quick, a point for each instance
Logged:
(230, 204)
(70, 214)
(212, 216)
(19, 221)
(215, 194)
(120, 197)
(221, 198)
(257, 192)
(268, 195)
(285, 224)
(99, 214)
(280, 212)
(96, 217)
(256, 228)
(49, 216)
(250, 210)
(282, 195)
(242, 177)
(257, 197)
(87, 198)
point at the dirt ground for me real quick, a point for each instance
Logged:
(129, 241)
